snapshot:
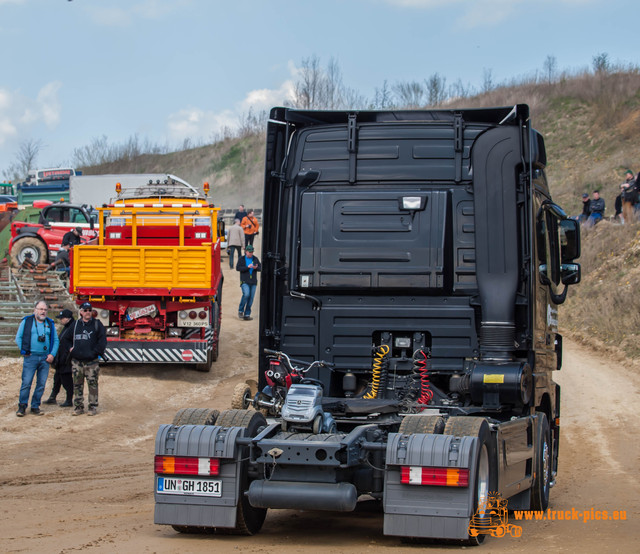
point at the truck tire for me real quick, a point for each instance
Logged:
(249, 520)
(433, 425)
(206, 366)
(29, 248)
(486, 477)
(216, 332)
(542, 480)
(241, 399)
(195, 416)
(317, 425)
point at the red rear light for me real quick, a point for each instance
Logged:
(192, 314)
(186, 465)
(202, 315)
(438, 476)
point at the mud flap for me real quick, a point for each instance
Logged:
(206, 441)
(425, 510)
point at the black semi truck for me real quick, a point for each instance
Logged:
(413, 263)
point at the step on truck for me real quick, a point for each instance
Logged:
(153, 275)
(413, 264)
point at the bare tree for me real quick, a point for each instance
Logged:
(436, 89)
(409, 94)
(601, 63)
(308, 89)
(382, 98)
(487, 80)
(25, 159)
(333, 88)
(460, 90)
(550, 67)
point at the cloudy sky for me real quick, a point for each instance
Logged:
(168, 70)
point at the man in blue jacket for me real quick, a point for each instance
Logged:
(248, 266)
(38, 343)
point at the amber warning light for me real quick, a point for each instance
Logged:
(206, 188)
(118, 188)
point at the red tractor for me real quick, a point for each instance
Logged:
(39, 242)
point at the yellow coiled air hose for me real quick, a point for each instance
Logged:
(381, 352)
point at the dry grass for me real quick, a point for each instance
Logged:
(606, 305)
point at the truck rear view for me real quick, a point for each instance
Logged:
(154, 276)
(413, 264)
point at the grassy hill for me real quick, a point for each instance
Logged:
(592, 132)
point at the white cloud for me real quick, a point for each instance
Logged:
(49, 104)
(263, 99)
(196, 123)
(20, 114)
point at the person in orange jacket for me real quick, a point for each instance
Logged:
(250, 226)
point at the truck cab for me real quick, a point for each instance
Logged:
(420, 256)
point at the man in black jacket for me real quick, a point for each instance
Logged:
(89, 341)
(248, 266)
(62, 362)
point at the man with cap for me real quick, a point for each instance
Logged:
(88, 342)
(62, 361)
(586, 208)
(38, 343)
(72, 237)
(248, 266)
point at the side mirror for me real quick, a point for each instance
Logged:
(570, 274)
(569, 240)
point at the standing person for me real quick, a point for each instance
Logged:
(235, 241)
(89, 340)
(241, 213)
(248, 266)
(628, 197)
(38, 343)
(72, 237)
(250, 225)
(62, 361)
(597, 208)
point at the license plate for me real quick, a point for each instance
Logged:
(189, 487)
(189, 323)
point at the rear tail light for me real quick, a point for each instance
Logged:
(186, 465)
(192, 314)
(439, 476)
(202, 315)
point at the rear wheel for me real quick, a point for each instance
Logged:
(433, 425)
(28, 248)
(241, 398)
(195, 416)
(317, 425)
(249, 520)
(206, 366)
(542, 480)
(486, 479)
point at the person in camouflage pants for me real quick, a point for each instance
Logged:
(89, 342)
(81, 371)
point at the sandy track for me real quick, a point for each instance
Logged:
(80, 483)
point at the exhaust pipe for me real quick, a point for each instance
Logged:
(496, 163)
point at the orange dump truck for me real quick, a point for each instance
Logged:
(153, 276)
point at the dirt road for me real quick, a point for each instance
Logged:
(86, 483)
